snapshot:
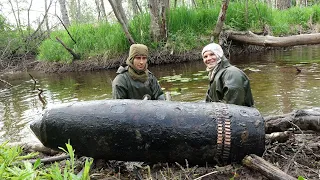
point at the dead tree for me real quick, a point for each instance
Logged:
(250, 38)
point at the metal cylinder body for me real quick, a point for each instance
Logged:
(154, 131)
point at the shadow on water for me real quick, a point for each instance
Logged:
(276, 85)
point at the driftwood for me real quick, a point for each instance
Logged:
(271, 41)
(264, 167)
(297, 119)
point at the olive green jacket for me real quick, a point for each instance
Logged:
(230, 85)
(124, 87)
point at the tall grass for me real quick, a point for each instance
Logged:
(189, 28)
(90, 40)
(253, 16)
(294, 20)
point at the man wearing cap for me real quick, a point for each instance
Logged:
(228, 84)
(134, 80)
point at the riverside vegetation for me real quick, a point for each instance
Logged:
(101, 44)
(189, 29)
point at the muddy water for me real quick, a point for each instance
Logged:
(276, 85)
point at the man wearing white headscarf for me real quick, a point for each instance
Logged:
(228, 84)
(134, 80)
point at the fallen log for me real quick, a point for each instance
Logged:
(298, 119)
(154, 131)
(271, 41)
(264, 167)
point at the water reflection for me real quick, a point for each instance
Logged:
(277, 87)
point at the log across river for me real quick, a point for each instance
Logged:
(154, 131)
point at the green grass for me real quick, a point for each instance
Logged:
(15, 165)
(189, 28)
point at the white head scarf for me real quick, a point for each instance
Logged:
(215, 48)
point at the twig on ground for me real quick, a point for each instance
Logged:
(300, 148)
(208, 174)
(51, 159)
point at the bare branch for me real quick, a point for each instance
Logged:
(75, 56)
(67, 30)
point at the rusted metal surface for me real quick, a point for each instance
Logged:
(154, 131)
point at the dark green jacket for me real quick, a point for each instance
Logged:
(230, 85)
(124, 87)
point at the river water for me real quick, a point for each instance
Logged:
(277, 87)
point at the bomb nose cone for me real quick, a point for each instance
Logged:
(35, 126)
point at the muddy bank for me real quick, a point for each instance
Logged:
(98, 62)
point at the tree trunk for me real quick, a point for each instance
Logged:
(29, 26)
(271, 41)
(283, 4)
(123, 23)
(118, 5)
(134, 7)
(98, 9)
(64, 13)
(194, 3)
(46, 15)
(78, 11)
(158, 10)
(221, 19)
(103, 11)
(16, 15)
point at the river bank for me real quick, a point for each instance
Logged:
(158, 57)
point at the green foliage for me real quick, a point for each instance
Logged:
(316, 14)
(67, 173)
(196, 20)
(187, 28)
(14, 165)
(293, 20)
(252, 17)
(52, 50)
(90, 40)
(140, 28)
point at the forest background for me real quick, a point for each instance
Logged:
(101, 32)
